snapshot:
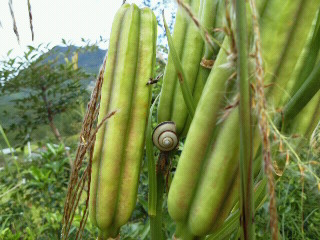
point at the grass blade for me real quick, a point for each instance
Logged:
(4, 136)
(186, 92)
(246, 176)
(308, 58)
(152, 194)
(305, 93)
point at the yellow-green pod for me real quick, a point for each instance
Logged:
(183, 186)
(166, 98)
(201, 187)
(216, 178)
(290, 21)
(120, 142)
(211, 14)
(189, 46)
(307, 119)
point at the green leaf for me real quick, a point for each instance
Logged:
(186, 92)
(152, 194)
(6, 140)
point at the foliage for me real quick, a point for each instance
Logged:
(32, 192)
(298, 198)
(48, 84)
(32, 198)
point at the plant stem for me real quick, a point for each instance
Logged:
(152, 179)
(53, 127)
(156, 221)
(308, 58)
(246, 176)
(309, 88)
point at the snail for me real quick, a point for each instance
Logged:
(164, 136)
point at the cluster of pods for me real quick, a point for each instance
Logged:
(205, 186)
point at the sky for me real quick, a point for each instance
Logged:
(56, 19)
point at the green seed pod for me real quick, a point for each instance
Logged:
(202, 185)
(290, 21)
(211, 14)
(192, 158)
(196, 57)
(221, 170)
(189, 46)
(120, 142)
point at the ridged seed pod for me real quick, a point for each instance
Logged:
(119, 144)
(189, 46)
(211, 15)
(197, 146)
(207, 174)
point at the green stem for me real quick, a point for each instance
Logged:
(186, 92)
(308, 58)
(306, 92)
(156, 221)
(152, 180)
(246, 176)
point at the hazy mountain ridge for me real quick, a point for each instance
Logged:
(90, 61)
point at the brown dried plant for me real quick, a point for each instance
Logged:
(80, 178)
(30, 20)
(15, 28)
(263, 123)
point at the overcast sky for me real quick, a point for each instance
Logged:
(56, 19)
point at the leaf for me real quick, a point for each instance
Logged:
(6, 140)
(186, 92)
(152, 194)
(9, 52)
(49, 146)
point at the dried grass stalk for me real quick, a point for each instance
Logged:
(79, 179)
(30, 20)
(15, 29)
(263, 123)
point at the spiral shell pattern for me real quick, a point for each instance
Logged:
(164, 136)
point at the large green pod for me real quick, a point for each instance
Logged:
(119, 145)
(207, 172)
(197, 143)
(211, 15)
(190, 48)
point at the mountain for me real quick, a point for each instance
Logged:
(90, 60)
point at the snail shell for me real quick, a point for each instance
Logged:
(164, 136)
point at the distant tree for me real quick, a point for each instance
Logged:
(48, 83)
